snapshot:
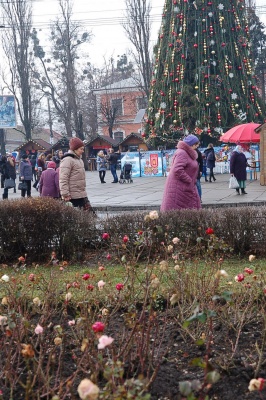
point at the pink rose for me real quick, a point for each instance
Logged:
(104, 341)
(38, 330)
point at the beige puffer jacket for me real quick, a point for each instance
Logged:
(72, 180)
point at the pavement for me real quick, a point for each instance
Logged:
(146, 193)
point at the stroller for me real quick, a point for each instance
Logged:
(126, 174)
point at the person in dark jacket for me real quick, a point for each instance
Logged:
(25, 174)
(41, 166)
(238, 168)
(58, 157)
(112, 159)
(49, 182)
(200, 162)
(210, 160)
(8, 171)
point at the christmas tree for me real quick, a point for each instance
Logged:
(203, 78)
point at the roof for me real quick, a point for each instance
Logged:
(64, 142)
(259, 128)
(42, 144)
(108, 139)
(137, 135)
(129, 83)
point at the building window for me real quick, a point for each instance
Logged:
(142, 102)
(118, 135)
(117, 105)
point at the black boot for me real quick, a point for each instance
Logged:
(237, 191)
(243, 191)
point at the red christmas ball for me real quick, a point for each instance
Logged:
(195, 45)
(217, 98)
(183, 56)
(143, 134)
(223, 44)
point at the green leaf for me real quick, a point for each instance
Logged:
(198, 362)
(202, 317)
(213, 377)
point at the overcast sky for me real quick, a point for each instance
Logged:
(103, 18)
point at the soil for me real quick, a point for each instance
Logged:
(179, 351)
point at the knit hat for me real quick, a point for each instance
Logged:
(75, 143)
(51, 164)
(191, 139)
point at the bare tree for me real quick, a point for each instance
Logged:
(17, 15)
(60, 78)
(138, 28)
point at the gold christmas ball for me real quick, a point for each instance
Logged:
(174, 121)
(196, 87)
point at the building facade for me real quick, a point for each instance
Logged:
(124, 99)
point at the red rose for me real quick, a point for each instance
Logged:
(98, 327)
(125, 239)
(86, 277)
(209, 231)
(105, 236)
(119, 286)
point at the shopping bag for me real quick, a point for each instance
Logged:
(22, 186)
(9, 183)
(233, 184)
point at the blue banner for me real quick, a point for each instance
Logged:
(7, 112)
(151, 163)
(132, 158)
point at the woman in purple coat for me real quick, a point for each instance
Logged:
(180, 189)
(238, 168)
(49, 181)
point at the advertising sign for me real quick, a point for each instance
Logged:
(151, 163)
(7, 112)
(133, 159)
(167, 160)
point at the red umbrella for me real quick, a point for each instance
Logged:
(242, 134)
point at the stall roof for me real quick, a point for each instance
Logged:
(39, 144)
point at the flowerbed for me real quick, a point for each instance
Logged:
(168, 327)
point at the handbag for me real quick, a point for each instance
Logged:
(87, 207)
(22, 186)
(233, 184)
(9, 183)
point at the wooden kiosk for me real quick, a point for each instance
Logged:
(262, 131)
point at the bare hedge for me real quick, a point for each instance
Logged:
(38, 226)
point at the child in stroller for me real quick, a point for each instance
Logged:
(126, 174)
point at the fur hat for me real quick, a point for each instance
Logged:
(191, 139)
(75, 143)
(51, 164)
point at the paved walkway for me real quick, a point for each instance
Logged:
(146, 193)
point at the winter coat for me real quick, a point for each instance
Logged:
(57, 161)
(200, 162)
(9, 171)
(180, 189)
(210, 157)
(25, 170)
(49, 183)
(101, 163)
(72, 178)
(113, 158)
(238, 165)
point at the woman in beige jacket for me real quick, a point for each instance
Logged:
(72, 180)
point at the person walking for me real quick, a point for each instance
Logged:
(25, 174)
(72, 178)
(112, 159)
(49, 182)
(41, 166)
(180, 189)
(238, 168)
(9, 172)
(101, 165)
(200, 163)
(210, 160)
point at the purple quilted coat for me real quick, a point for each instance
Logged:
(180, 188)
